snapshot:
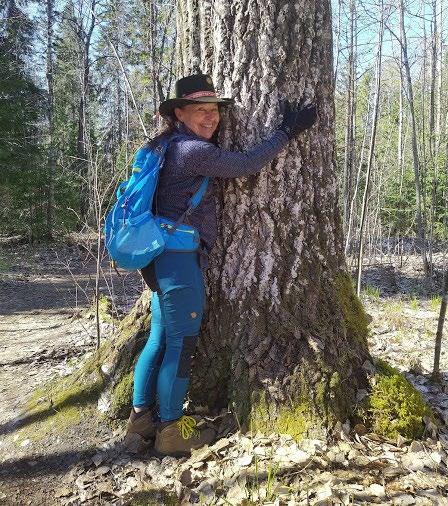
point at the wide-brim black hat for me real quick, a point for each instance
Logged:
(193, 89)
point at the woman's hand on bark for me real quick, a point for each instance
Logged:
(297, 117)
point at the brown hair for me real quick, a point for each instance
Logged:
(168, 128)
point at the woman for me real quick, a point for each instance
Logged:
(163, 369)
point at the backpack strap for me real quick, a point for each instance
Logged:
(195, 199)
(199, 195)
(194, 202)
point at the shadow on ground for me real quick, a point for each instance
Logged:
(79, 399)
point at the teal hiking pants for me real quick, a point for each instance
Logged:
(163, 369)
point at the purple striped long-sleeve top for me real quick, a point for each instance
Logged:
(189, 159)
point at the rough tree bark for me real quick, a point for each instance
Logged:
(285, 336)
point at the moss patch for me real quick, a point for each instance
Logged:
(335, 381)
(61, 403)
(105, 309)
(396, 406)
(122, 395)
(138, 320)
(151, 498)
(294, 419)
(355, 318)
(47, 420)
(330, 400)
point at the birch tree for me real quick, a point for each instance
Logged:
(406, 68)
(83, 24)
(435, 114)
(349, 158)
(280, 342)
(376, 103)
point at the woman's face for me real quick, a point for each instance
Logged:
(202, 119)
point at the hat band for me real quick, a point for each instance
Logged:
(198, 94)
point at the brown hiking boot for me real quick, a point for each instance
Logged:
(140, 432)
(179, 437)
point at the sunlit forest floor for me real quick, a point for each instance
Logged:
(47, 329)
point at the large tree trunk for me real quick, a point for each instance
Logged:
(285, 336)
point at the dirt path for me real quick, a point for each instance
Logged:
(38, 333)
(43, 292)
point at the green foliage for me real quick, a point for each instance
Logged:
(372, 292)
(396, 406)
(436, 301)
(393, 187)
(272, 472)
(398, 209)
(22, 174)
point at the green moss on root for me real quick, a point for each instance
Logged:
(122, 395)
(61, 404)
(293, 419)
(151, 498)
(395, 405)
(355, 318)
(138, 320)
(105, 309)
(321, 394)
(335, 381)
(316, 408)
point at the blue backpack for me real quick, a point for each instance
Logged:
(134, 235)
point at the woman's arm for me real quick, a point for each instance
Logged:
(206, 159)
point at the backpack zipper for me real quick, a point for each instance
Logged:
(165, 225)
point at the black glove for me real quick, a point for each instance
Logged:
(297, 118)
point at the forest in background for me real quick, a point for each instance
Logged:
(80, 78)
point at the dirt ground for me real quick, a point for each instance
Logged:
(45, 293)
(45, 332)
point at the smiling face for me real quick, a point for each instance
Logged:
(202, 119)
